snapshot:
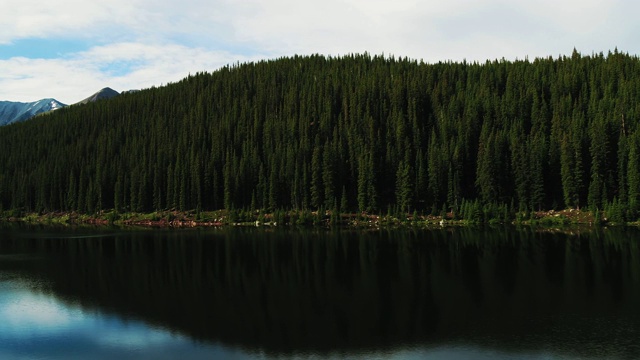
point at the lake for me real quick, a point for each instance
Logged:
(243, 293)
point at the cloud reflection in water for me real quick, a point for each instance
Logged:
(36, 325)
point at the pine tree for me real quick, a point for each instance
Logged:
(567, 163)
(273, 189)
(633, 177)
(117, 195)
(317, 197)
(328, 177)
(486, 180)
(367, 194)
(228, 186)
(598, 150)
(537, 162)
(404, 186)
(344, 202)
(72, 193)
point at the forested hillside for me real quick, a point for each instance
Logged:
(355, 133)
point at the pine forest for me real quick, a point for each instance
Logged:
(357, 133)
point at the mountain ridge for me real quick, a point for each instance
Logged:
(13, 111)
(104, 93)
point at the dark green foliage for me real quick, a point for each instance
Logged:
(615, 211)
(472, 211)
(344, 202)
(352, 133)
(633, 177)
(367, 194)
(403, 187)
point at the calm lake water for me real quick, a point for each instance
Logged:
(464, 293)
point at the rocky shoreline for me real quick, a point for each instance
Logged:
(219, 218)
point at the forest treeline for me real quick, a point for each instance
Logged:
(355, 133)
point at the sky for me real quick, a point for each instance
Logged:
(69, 49)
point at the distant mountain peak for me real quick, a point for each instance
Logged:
(105, 93)
(12, 112)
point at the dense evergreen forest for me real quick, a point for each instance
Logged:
(355, 133)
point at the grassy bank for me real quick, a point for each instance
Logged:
(172, 218)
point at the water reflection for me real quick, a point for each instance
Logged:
(481, 293)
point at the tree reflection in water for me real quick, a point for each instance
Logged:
(352, 291)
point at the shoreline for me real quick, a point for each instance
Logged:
(257, 218)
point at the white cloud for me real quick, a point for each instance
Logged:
(107, 21)
(73, 78)
(432, 30)
(32, 18)
(165, 40)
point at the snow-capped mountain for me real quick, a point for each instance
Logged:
(11, 112)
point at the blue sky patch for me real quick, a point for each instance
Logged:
(42, 48)
(119, 68)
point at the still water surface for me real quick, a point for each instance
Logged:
(466, 293)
